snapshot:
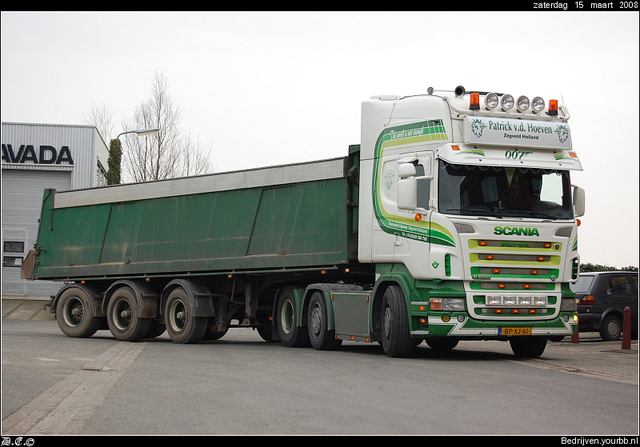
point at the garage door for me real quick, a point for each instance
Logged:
(22, 192)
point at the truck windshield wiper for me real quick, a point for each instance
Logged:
(529, 213)
(474, 210)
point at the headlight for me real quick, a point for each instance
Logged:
(539, 300)
(522, 104)
(527, 300)
(568, 305)
(453, 304)
(491, 101)
(524, 300)
(537, 105)
(507, 102)
(447, 304)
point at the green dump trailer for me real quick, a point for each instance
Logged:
(449, 221)
(225, 244)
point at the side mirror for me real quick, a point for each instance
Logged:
(406, 170)
(407, 187)
(578, 201)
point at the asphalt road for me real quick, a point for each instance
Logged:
(53, 384)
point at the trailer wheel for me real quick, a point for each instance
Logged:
(211, 333)
(181, 325)
(122, 316)
(291, 334)
(266, 333)
(74, 313)
(530, 347)
(396, 338)
(319, 336)
(265, 328)
(156, 330)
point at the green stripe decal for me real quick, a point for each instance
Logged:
(422, 132)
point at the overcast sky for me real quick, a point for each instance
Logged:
(274, 88)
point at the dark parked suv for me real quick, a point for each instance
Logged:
(602, 297)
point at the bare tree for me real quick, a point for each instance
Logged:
(101, 117)
(167, 154)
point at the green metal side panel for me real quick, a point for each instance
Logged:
(301, 219)
(73, 237)
(288, 226)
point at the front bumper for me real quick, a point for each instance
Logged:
(460, 325)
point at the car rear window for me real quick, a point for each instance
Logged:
(583, 284)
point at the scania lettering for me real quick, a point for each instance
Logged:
(519, 231)
(436, 227)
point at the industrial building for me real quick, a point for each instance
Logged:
(36, 157)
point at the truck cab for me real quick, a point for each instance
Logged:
(468, 197)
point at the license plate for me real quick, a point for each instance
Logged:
(514, 331)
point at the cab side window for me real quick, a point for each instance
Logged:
(424, 188)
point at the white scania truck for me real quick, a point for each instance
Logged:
(453, 219)
(473, 215)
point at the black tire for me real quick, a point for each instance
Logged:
(156, 330)
(266, 333)
(181, 325)
(266, 329)
(74, 314)
(122, 316)
(529, 347)
(291, 334)
(396, 338)
(317, 319)
(611, 328)
(442, 344)
(210, 334)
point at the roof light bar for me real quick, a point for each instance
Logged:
(506, 102)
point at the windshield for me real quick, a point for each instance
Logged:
(504, 192)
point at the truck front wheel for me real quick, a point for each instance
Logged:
(442, 344)
(530, 347)
(396, 338)
(122, 316)
(74, 313)
(181, 325)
